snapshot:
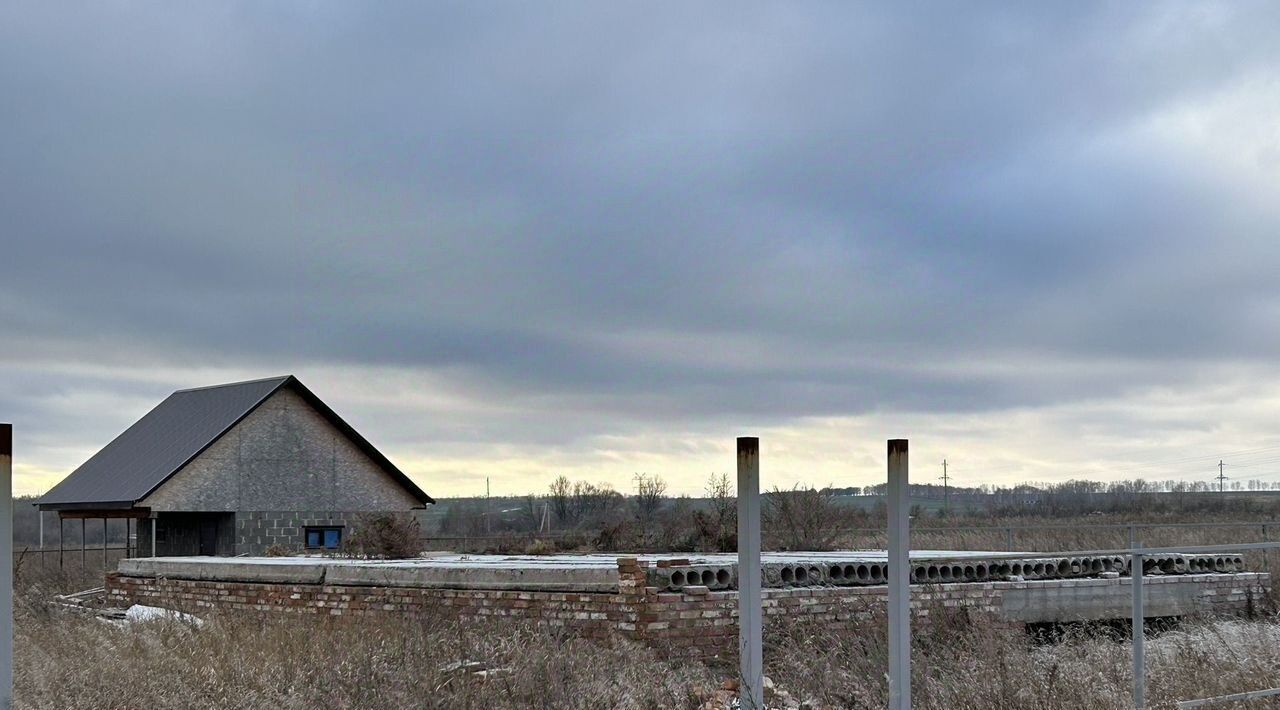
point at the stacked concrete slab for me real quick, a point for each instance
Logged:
(870, 568)
(599, 573)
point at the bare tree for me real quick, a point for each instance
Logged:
(560, 491)
(590, 503)
(718, 525)
(651, 491)
(801, 518)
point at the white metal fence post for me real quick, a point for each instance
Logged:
(6, 566)
(899, 578)
(1139, 632)
(750, 610)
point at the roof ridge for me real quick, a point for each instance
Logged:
(170, 436)
(280, 378)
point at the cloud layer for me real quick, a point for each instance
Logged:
(518, 240)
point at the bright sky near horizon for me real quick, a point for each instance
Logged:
(514, 241)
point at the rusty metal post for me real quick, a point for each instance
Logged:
(6, 566)
(750, 606)
(899, 572)
(104, 544)
(62, 529)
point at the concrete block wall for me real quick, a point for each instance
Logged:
(696, 622)
(257, 531)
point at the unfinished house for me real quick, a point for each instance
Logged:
(235, 469)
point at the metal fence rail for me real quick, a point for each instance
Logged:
(1233, 698)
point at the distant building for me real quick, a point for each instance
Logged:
(234, 469)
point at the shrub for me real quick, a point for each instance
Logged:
(386, 536)
(540, 546)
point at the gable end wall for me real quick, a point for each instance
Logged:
(285, 456)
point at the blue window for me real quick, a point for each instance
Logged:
(323, 538)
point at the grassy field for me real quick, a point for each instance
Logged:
(247, 662)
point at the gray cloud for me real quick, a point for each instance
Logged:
(616, 216)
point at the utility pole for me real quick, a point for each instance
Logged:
(487, 505)
(946, 492)
(1222, 477)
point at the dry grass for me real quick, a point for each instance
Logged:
(295, 663)
(309, 663)
(252, 662)
(246, 662)
(959, 664)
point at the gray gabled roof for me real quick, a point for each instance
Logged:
(180, 428)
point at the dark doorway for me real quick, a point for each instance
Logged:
(207, 534)
(209, 537)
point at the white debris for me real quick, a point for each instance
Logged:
(464, 667)
(140, 612)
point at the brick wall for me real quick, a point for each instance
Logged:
(589, 614)
(695, 622)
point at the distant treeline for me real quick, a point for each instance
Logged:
(597, 515)
(1076, 497)
(1071, 487)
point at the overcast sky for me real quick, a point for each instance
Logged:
(530, 239)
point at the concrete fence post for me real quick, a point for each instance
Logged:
(899, 578)
(6, 566)
(1138, 632)
(750, 608)
(1266, 554)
